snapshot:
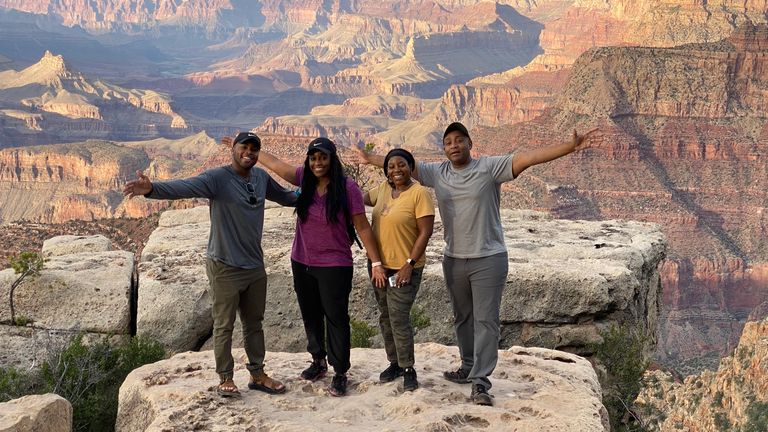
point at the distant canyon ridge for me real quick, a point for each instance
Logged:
(678, 90)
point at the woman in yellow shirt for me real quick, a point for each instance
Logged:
(403, 215)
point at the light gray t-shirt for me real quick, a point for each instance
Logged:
(236, 224)
(469, 200)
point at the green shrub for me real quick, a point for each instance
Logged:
(419, 318)
(362, 332)
(622, 355)
(89, 377)
(757, 417)
(721, 422)
(15, 383)
(22, 320)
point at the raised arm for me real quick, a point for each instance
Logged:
(525, 160)
(360, 156)
(283, 169)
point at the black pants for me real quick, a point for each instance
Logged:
(323, 295)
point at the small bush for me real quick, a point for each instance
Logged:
(757, 417)
(419, 318)
(362, 332)
(622, 355)
(15, 383)
(22, 320)
(87, 375)
(721, 422)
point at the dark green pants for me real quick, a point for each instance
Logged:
(395, 318)
(235, 289)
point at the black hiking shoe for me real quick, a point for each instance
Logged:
(480, 395)
(316, 370)
(338, 386)
(458, 376)
(391, 373)
(409, 379)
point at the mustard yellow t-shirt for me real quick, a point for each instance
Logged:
(394, 222)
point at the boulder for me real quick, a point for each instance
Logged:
(568, 281)
(70, 244)
(174, 305)
(36, 413)
(82, 290)
(534, 390)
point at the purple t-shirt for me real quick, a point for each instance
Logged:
(320, 243)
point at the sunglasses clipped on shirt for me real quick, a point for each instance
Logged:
(251, 194)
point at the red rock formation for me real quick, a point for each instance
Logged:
(734, 397)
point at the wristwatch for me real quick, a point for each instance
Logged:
(411, 262)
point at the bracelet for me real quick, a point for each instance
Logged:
(376, 264)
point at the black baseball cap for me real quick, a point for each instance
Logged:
(456, 126)
(247, 137)
(322, 144)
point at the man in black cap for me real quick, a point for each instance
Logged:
(475, 262)
(235, 260)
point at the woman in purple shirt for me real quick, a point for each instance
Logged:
(327, 207)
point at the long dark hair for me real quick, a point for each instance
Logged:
(335, 196)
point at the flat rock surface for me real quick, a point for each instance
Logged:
(534, 390)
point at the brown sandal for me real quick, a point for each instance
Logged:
(227, 388)
(260, 381)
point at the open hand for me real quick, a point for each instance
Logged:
(581, 142)
(140, 186)
(359, 156)
(379, 277)
(227, 141)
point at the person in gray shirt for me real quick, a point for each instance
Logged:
(235, 260)
(475, 262)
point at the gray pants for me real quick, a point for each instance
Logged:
(475, 286)
(235, 289)
(395, 318)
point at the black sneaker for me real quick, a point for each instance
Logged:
(458, 376)
(338, 385)
(391, 373)
(409, 379)
(480, 395)
(316, 370)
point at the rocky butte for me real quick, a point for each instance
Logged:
(683, 130)
(49, 102)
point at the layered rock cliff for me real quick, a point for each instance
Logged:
(57, 183)
(49, 96)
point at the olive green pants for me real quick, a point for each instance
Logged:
(235, 289)
(395, 319)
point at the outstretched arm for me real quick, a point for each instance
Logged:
(279, 167)
(525, 160)
(276, 165)
(140, 186)
(360, 156)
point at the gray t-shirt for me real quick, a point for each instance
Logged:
(469, 200)
(236, 224)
